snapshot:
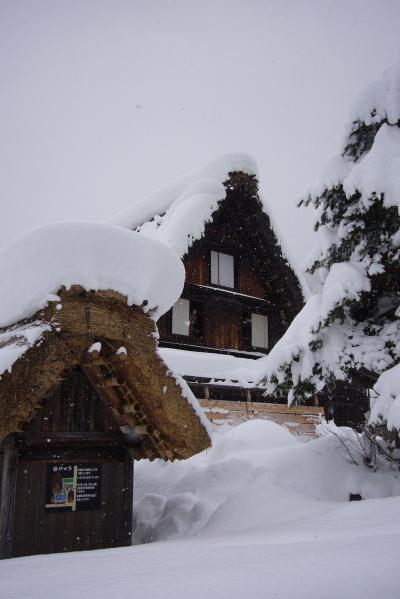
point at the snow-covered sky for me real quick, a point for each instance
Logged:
(103, 102)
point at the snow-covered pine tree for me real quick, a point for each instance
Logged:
(349, 325)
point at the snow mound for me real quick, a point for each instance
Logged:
(254, 477)
(95, 256)
(253, 435)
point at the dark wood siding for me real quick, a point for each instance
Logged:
(80, 430)
(264, 281)
(251, 282)
(222, 328)
(74, 406)
(197, 266)
(37, 531)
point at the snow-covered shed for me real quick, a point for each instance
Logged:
(83, 390)
(240, 292)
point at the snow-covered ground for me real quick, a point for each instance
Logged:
(258, 515)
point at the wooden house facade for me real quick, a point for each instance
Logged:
(240, 293)
(239, 297)
(78, 407)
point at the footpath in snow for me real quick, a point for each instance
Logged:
(258, 515)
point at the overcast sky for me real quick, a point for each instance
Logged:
(103, 102)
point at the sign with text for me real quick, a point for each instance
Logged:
(73, 487)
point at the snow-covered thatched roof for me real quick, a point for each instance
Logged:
(180, 210)
(178, 213)
(111, 342)
(70, 288)
(93, 255)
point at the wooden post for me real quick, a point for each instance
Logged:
(248, 403)
(8, 490)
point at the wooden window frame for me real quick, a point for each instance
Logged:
(189, 339)
(229, 252)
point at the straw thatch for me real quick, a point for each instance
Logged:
(137, 387)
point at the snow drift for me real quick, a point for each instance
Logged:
(255, 476)
(258, 515)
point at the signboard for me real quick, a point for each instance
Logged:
(73, 487)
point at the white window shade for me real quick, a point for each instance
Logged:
(226, 270)
(180, 317)
(222, 269)
(214, 268)
(259, 330)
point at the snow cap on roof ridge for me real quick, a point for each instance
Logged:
(177, 214)
(158, 202)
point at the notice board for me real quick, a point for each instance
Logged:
(73, 487)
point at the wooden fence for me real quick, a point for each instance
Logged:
(299, 420)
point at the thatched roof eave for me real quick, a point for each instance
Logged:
(134, 383)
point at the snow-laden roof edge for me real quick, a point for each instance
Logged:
(220, 368)
(158, 202)
(94, 255)
(177, 213)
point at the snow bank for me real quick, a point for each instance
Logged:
(342, 551)
(255, 477)
(256, 516)
(95, 256)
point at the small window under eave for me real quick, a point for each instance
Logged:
(259, 330)
(180, 317)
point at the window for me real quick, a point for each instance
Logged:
(188, 319)
(197, 320)
(222, 269)
(180, 317)
(259, 330)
